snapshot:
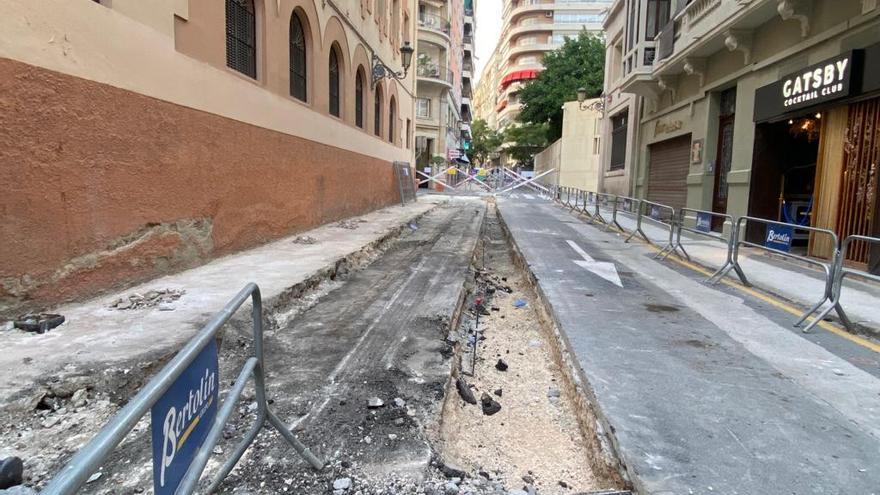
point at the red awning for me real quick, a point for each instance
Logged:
(519, 75)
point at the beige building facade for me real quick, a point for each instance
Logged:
(575, 157)
(145, 137)
(767, 108)
(444, 69)
(530, 29)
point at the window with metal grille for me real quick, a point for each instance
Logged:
(618, 141)
(377, 112)
(241, 37)
(392, 116)
(359, 98)
(334, 83)
(297, 59)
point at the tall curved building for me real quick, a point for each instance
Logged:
(530, 29)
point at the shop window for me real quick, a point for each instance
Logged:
(241, 37)
(618, 141)
(297, 58)
(333, 88)
(359, 98)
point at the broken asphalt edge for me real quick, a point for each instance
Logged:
(273, 304)
(609, 465)
(449, 387)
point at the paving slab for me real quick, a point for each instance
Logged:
(96, 336)
(700, 393)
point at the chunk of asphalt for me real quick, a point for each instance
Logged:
(501, 365)
(490, 405)
(451, 470)
(465, 391)
(498, 392)
(11, 470)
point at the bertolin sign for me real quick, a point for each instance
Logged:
(820, 83)
(181, 418)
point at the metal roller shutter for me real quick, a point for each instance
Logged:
(668, 170)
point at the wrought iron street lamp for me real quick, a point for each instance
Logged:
(596, 106)
(382, 71)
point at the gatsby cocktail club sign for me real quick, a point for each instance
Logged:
(826, 81)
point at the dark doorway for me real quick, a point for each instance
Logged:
(725, 155)
(424, 152)
(783, 176)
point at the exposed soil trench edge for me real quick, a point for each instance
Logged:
(597, 430)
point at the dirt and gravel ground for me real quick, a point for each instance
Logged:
(534, 441)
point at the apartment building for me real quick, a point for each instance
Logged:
(444, 70)
(767, 108)
(145, 137)
(530, 29)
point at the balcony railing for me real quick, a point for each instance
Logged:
(434, 71)
(433, 21)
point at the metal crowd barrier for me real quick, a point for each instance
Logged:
(89, 458)
(840, 272)
(657, 217)
(731, 263)
(624, 204)
(834, 269)
(600, 200)
(827, 267)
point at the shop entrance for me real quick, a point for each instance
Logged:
(784, 175)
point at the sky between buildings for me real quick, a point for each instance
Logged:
(488, 28)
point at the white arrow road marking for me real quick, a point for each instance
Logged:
(603, 269)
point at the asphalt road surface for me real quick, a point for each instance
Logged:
(703, 389)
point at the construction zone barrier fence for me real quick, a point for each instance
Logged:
(177, 466)
(704, 223)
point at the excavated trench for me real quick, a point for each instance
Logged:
(544, 437)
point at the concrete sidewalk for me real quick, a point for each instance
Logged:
(700, 389)
(791, 280)
(96, 336)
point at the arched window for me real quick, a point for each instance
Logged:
(392, 117)
(297, 58)
(241, 37)
(359, 98)
(377, 112)
(334, 83)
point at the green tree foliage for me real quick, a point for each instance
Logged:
(524, 141)
(483, 141)
(578, 63)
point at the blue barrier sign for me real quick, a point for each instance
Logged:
(779, 237)
(181, 418)
(704, 222)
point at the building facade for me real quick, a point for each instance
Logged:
(530, 29)
(444, 69)
(574, 158)
(767, 108)
(141, 138)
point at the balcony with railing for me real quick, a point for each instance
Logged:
(434, 23)
(434, 72)
(700, 28)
